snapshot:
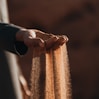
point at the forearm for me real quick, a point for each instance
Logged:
(8, 38)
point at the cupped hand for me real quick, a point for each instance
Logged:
(42, 41)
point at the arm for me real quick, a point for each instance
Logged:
(8, 39)
(17, 40)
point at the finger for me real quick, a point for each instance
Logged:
(38, 42)
(34, 42)
(50, 42)
(62, 39)
(58, 42)
(24, 85)
(43, 35)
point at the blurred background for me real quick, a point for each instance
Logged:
(77, 19)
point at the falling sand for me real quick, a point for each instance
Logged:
(50, 77)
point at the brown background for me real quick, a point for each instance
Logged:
(79, 20)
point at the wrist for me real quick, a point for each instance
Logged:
(20, 34)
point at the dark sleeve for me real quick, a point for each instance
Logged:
(8, 39)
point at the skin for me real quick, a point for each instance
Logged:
(41, 41)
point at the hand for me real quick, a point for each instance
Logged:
(38, 39)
